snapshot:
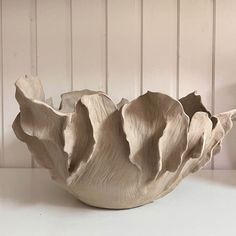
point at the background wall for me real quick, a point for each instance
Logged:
(123, 47)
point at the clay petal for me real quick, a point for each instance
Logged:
(199, 130)
(32, 87)
(118, 156)
(213, 145)
(226, 119)
(70, 99)
(122, 102)
(37, 119)
(85, 128)
(148, 121)
(79, 138)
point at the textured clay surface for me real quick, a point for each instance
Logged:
(117, 156)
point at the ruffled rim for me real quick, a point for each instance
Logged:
(29, 90)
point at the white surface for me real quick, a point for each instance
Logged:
(128, 46)
(31, 204)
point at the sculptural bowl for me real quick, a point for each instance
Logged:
(117, 156)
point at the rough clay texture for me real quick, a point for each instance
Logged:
(117, 156)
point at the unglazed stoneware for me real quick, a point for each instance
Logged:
(117, 156)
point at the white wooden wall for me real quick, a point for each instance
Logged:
(123, 47)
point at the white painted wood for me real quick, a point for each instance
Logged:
(42, 42)
(88, 25)
(159, 46)
(225, 80)
(53, 51)
(195, 49)
(195, 62)
(31, 204)
(16, 62)
(124, 61)
(33, 42)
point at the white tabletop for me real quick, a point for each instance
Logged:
(32, 204)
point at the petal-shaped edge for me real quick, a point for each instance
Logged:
(79, 140)
(199, 131)
(212, 136)
(148, 122)
(34, 145)
(223, 125)
(91, 113)
(45, 152)
(226, 119)
(122, 102)
(70, 99)
(212, 141)
(31, 87)
(38, 121)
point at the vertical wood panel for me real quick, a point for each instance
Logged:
(159, 46)
(16, 62)
(225, 75)
(1, 91)
(52, 47)
(195, 62)
(124, 21)
(89, 69)
(85, 43)
(33, 29)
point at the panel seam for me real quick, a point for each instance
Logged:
(106, 47)
(213, 66)
(71, 46)
(141, 48)
(177, 48)
(34, 47)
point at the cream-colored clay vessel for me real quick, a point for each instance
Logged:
(117, 156)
